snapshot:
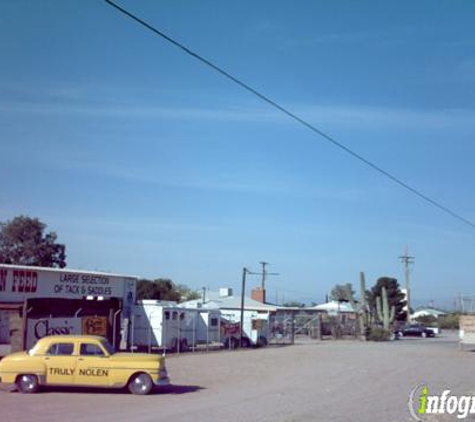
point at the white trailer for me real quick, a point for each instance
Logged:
(255, 328)
(166, 326)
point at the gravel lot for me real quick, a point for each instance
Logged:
(314, 381)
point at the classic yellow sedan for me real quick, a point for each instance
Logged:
(82, 361)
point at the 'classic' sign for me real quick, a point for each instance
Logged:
(39, 328)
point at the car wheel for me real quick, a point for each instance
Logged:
(140, 384)
(27, 384)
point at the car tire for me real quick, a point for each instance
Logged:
(140, 384)
(27, 383)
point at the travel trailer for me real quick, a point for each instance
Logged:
(164, 325)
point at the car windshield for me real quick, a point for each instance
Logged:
(110, 349)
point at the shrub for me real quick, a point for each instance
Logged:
(450, 321)
(378, 334)
(428, 320)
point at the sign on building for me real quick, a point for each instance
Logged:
(19, 283)
(96, 326)
(39, 328)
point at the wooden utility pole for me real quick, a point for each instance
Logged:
(407, 260)
(243, 293)
(264, 275)
(245, 272)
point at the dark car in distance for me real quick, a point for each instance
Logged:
(416, 330)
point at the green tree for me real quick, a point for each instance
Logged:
(23, 241)
(164, 289)
(159, 289)
(294, 304)
(428, 320)
(186, 293)
(395, 296)
(340, 292)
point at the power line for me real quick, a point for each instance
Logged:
(294, 116)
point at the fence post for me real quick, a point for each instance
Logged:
(178, 341)
(197, 315)
(320, 327)
(292, 327)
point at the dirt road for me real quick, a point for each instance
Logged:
(320, 381)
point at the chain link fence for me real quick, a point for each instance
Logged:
(299, 325)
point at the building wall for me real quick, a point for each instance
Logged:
(57, 300)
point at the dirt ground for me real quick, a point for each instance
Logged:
(310, 381)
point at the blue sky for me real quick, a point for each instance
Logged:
(146, 162)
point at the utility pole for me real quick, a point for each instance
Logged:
(264, 275)
(245, 271)
(407, 260)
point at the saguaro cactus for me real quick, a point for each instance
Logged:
(361, 307)
(385, 315)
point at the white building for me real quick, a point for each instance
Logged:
(334, 307)
(421, 312)
(256, 315)
(37, 301)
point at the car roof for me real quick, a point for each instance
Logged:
(71, 337)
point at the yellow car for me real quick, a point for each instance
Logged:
(82, 361)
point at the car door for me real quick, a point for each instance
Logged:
(60, 363)
(93, 366)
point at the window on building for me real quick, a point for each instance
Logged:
(214, 322)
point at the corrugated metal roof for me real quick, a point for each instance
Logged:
(335, 306)
(213, 300)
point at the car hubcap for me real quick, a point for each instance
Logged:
(140, 383)
(27, 383)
